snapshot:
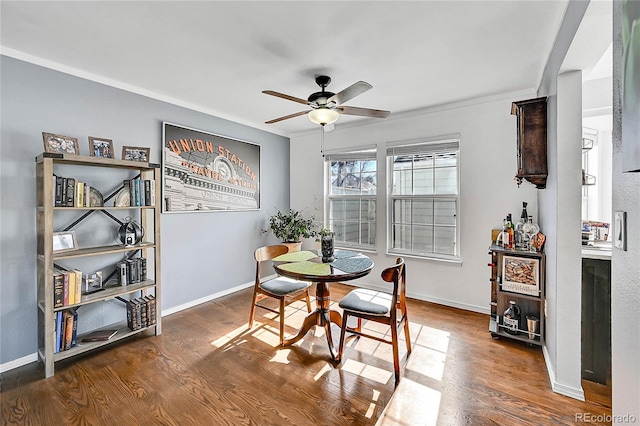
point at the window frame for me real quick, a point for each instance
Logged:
(357, 154)
(449, 143)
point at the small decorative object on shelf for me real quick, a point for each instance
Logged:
(511, 318)
(135, 153)
(532, 326)
(130, 233)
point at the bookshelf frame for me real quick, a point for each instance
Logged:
(46, 257)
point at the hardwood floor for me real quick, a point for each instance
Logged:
(208, 369)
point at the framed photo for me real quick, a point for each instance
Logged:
(60, 143)
(205, 172)
(521, 275)
(135, 153)
(99, 147)
(64, 241)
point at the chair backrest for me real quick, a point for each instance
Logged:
(269, 252)
(397, 275)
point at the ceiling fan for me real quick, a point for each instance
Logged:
(326, 106)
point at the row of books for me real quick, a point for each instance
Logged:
(142, 192)
(66, 329)
(69, 192)
(67, 288)
(131, 271)
(141, 312)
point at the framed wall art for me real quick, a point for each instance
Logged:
(61, 144)
(204, 172)
(521, 275)
(99, 147)
(136, 153)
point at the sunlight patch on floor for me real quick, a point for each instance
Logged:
(224, 340)
(281, 356)
(324, 370)
(373, 405)
(411, 400)
(366, 371)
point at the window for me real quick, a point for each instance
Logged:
(424, 199)
(352, 198)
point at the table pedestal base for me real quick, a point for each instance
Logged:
(322, 316)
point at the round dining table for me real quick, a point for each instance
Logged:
(308, 266)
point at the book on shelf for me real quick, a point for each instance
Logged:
(99, 335)
(78, 287)
(68, 329)
(74, 332)
(58, 330)
(71, 278)
(58, 290)
(70, 192)
(152, 198)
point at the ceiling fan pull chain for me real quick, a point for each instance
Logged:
(322, 140)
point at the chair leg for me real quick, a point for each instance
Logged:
(282, 305)
(253, 307)
(359, 326)
(407, 338)
(396, 356)
(343, 331)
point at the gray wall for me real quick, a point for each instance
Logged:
(198, 249)
(625, 268)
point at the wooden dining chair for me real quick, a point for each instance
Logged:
(285, 290)
(380, 307)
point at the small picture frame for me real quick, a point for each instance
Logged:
(64, 241)
(99, 147)
(135, 153)
(60, 143)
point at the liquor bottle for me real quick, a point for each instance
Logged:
(511, 232)
(511, 319)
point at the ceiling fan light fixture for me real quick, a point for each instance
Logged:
(323, 116)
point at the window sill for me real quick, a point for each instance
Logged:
(450, 259)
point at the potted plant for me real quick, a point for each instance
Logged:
(326, 238)
(291, 227)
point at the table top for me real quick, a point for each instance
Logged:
(308, 266)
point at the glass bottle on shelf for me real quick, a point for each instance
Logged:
(511, 232)
(511, 319)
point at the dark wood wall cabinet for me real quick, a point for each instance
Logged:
(532, 140)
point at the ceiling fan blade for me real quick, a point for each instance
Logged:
(288, 97)
(350, 92)
(275, 120)
(363, 112)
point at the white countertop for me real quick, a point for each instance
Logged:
(597, 251)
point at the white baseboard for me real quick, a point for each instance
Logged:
(444, 302)
(571, 392)
(208, 298)
(28, 359)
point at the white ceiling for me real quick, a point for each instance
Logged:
(217, 57)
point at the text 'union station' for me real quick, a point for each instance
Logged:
(225, 183)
